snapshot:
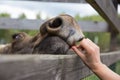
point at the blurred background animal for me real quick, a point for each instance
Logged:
(19, 45)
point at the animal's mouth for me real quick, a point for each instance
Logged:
(74, 41)
(80, 39)
(73, 38)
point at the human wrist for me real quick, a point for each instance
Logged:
(98, 67)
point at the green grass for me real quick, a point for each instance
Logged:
(92, 77)
(102, 39)
(118, 67)
(89, 18)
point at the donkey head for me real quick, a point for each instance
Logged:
(63, 26)
(21, 42)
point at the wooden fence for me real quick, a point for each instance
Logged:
(48, 67)
(87, 26)
(57, 67)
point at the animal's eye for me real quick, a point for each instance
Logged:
(16, 36)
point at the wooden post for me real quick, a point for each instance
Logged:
(108, 10)
(115, 3)
(113, 32)
(113, 44)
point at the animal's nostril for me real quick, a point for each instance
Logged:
(56, 23)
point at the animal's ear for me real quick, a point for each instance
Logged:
(43, 29)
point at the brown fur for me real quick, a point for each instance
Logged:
(5, 48)
(19, 45)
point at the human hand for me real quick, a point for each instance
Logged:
(89, 53)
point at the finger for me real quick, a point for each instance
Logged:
(78, 51)
(86, 45)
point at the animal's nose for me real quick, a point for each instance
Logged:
(54, 25)
(57, 22)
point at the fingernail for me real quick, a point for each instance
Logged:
(73, 47)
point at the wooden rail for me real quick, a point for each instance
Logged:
(87, 26)
(44, 67)
(107, 10)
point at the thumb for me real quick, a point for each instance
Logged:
(77, 51)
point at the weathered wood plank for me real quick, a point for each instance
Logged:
(41, 67)
(8, 23)
(44, 67)
(110, 57)
(88, 26)
(107, 10)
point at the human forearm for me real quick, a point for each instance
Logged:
(104, 73)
